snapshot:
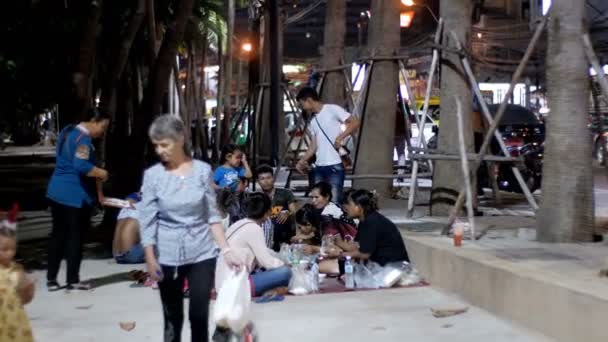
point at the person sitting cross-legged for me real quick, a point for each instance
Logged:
(126, 246)
(378, 237)
(246, 239)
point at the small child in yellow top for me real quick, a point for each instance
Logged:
(16, 287)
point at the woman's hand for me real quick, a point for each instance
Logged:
(333, 252)
(310, 250)
(232, 258)
(154, 270)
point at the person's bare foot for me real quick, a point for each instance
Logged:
(278, 291)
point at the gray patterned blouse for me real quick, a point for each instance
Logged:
(175, 214)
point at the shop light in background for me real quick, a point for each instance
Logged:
(546, 6)
(408, 2)
(247, 47)
(405, 19)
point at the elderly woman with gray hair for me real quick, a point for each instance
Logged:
(181, 229)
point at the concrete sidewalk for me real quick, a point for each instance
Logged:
(385, 315)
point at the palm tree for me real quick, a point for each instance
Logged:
(567, 207)
(375, 154)
(446, 184)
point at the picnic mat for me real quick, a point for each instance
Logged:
(333, 285)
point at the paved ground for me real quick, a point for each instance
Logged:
(385, 315)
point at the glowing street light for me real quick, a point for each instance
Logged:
(247, 47)
(411, 3)
(406, 18)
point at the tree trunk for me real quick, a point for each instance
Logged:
(80, 100)
(226, 138)
(270, 124)
(220, 103)
(152, 41)
(158, 79)
(122, 56)
(567, 207)
(375, 153)
(446, 184)
(333, 52)
(201, 127)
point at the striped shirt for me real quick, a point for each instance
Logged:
(175, 213)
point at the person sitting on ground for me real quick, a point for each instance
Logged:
(234, 168)
(126, 246)
(306, 220)
(336, 230)
(284, 206)
(378, 237)
(16, 287)
(246, 238)
(231, 202)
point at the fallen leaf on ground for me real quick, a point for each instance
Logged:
(128, 326)
(604, 273)
(447, 325)
(84, 307)
(440, 313)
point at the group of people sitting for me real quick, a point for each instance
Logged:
(258, 223)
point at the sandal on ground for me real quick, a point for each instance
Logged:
(53, 286)
(79, 286)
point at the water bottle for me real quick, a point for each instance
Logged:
(349, 277)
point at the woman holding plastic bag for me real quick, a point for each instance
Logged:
(181, 229)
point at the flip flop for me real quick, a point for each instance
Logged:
(270, 298)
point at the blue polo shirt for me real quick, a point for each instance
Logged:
(69, 184)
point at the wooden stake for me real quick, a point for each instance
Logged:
(465, 168)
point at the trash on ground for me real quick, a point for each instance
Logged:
(127, 326)
(440, 313)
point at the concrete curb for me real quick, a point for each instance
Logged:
(562, 308)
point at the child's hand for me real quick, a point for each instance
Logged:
(25, 288)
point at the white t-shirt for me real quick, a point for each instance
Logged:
(331, 117)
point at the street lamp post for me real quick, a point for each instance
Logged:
(245, 49)
(411, 3)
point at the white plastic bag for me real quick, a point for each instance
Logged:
(233, 303)
(364, 277)
(302, 281)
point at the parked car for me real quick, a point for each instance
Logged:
(523, 134)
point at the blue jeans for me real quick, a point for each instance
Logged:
(135, 255)
(334, 175)
(268, 280)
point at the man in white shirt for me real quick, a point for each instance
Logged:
(327, 136)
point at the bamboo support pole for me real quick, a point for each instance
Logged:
(429, 88)
(464, 162)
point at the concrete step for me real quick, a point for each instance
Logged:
(554, 289)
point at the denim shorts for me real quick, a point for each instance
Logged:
(135, 255)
